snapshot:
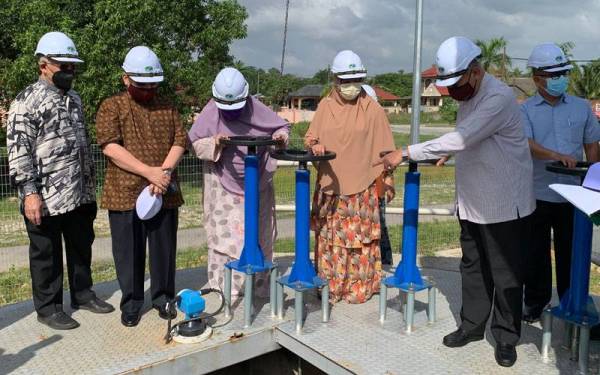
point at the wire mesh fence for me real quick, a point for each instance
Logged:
(436, 233)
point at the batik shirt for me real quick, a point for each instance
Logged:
(48, 148)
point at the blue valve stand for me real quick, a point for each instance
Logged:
(576, 308)
(252, 258)
(303, 276)
(407, 276)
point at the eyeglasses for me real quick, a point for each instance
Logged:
(229, 102)
(552, 74)
(351, 80)
(144, 85)
(62, 65)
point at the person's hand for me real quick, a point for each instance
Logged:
(391, 160)
(390, 193)
(318, 149)
(156, 176)
(442, 161)
(218, 138)
(280, 139)
(33, 208)
(155, 190)
(566, 160)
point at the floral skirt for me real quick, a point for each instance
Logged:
(347, 250)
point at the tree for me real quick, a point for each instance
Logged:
(190, 37)
(399, 84)
(322, 77)
(449, 110)
(586, 81)
(493, 59)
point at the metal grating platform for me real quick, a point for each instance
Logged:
(353, 342)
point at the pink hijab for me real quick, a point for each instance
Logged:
(256, 120)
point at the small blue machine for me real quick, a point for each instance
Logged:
(303, 276)
(252, 258)
(407, 277)
(576, 307)
(194, 327)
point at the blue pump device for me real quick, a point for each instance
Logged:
(191, 303)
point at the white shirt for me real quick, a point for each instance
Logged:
(494, 173)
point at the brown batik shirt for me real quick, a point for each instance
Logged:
(148, 132)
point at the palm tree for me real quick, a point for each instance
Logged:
(586, 82)
(493, 55)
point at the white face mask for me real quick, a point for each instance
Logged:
(350, 91)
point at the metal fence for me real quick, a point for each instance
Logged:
(437, 232)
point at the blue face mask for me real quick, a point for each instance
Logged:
(557, 86)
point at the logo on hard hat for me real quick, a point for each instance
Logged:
(441, 69)
(559, 58)
(229, 96)
(148, 68)
(352, 66)
(71, 49)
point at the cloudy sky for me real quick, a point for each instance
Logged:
(382, 31)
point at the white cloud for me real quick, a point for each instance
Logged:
(382, 31)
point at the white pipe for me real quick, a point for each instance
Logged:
(388, 210)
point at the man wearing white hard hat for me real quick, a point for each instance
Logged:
(494, 191)
(349, 188)
(51, 165)
(143, 137)
(232, 112)
(560, 127)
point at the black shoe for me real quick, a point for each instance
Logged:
(532, 314)
(130, 319)
(460, 338)
(506, 354)
(58, 320)
(94, 305)
(166, 315)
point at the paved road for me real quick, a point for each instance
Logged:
(17, 256)
(424, 130)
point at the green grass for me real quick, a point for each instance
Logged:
(426, 118)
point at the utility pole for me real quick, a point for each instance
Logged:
(504, 75)
(285, 25)
(258, 81)
(416, 92)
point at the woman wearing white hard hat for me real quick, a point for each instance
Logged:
(233, 112)
(559, 127)
(143, 137)
(494, 191)
(345, 213)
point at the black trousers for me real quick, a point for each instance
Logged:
(46, 258)
(384, 243)
(491, 270)
(129, 235)
(558, 218)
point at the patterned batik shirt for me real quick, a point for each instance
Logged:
(48, 149)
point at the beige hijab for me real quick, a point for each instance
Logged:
(357, 132)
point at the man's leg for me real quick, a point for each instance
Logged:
(78, 231)
(384, 243)
(504, 245)
(129, 252)
(537, 264)
(46, 264)
(562, 224)
(477, 286)
(162, 240)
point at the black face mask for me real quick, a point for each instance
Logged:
(462, 93)
(63, 79)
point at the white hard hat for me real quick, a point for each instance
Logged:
(57, 46)
(370, 91)
(147, 205)
(230, 89)
(142, 65)
(453, 58)
(347, 65)
(549, 58)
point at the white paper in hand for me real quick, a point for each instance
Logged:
(147, 205)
